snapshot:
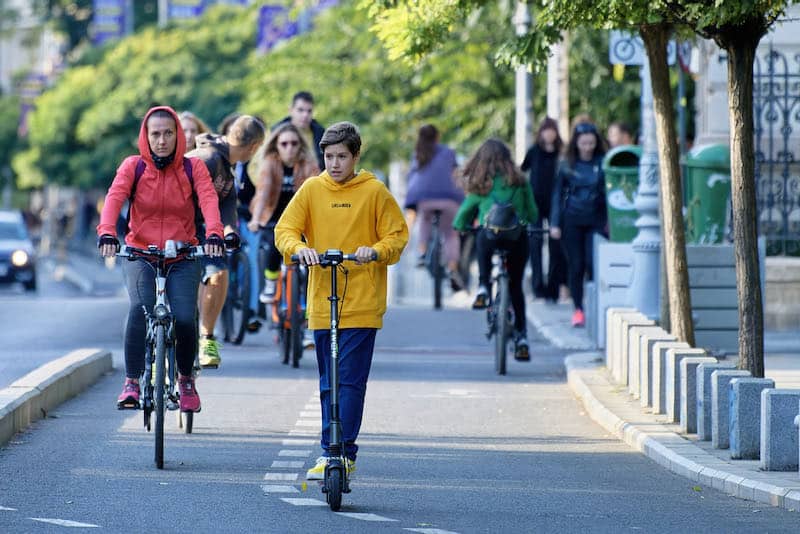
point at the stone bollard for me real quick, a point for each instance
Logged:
(674, 357)
(779, 440)
(745, 416)
(688, 392)
(647, 364)
(704, 371)
(623, 343)
(613, 325)
(635, 357)
(720, 406)
(658, 388)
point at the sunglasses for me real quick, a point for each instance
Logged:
(284, 144)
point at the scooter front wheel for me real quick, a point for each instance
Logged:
(334, 484)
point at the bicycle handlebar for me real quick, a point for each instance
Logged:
(178, 249)
(530, 230)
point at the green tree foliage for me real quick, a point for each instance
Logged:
(89, 120)
(9, 119)
(459, 88)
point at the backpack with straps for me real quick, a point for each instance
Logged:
(141, 165)
(502, 222)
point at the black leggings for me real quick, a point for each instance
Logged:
(517, 256)
(577, 242)
(183, 279)
(268, 243)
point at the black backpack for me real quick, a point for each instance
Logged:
(141, 165)
(502, 222)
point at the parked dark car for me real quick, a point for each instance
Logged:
(17, 255)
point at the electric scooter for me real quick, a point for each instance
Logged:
(336, 480)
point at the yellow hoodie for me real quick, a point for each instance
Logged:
(359, 212)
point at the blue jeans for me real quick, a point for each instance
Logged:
(253, 241)
(183, 277)
(355, 359)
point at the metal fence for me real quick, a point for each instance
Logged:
(776, 106)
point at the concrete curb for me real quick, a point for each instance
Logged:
(31, 397)
(669, 449)
(554, 332)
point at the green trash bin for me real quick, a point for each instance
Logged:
(621, 168)
(708, 194)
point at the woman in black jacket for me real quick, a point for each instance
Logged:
(578, 209)
(541, 163)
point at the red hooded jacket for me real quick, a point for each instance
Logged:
(163, 207)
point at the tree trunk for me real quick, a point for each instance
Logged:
(655, 39)
(740, 44)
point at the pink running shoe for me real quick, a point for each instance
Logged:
(190, 400)
(129, 398)
(578, 319)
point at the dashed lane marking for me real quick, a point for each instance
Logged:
(304, 501)
(294, 453)
(309, 423)
(63, 522)
(274, 488)
(430, 531)
(287, 464)
(310, 413)
(294, 442)
(283, 477)
(365, 517)
(5, 509)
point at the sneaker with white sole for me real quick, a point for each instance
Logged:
(308, 339)
(267, 295)
(318, 471)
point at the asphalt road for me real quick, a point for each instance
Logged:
(446, 446)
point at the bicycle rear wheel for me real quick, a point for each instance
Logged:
(435, 266)
(236, 311)
(159, 396)
(502, 329)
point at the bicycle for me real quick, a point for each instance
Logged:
(159, 391)
(500, 314)
(289, 311)
(433, 259)
(236, 310)
(336, 479)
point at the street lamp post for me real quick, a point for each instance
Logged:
(644, 289)
(522, 122)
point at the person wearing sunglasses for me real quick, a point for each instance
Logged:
(578, 208)
(284, 162)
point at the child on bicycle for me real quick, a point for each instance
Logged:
(353, 212)
(162, 208)
(492, 178)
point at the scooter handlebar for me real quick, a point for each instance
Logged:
(333, 257)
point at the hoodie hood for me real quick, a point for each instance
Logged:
(360, 177)
(180, 145)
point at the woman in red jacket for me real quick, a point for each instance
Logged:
(162, 208)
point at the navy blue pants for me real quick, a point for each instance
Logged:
(355, 359)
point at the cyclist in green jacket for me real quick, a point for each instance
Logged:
(492, 178)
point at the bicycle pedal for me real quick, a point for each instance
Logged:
(128, 406)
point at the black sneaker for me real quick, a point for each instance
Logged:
(456, 281)
(521, 351)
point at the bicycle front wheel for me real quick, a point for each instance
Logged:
(160, 394)
(296, 320)
(502, 328)
(435, 267)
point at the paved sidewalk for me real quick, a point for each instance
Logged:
(612, 407)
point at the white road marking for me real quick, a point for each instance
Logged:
(294, 453)
(298, 442)
(304, 502)
(4, 509)
(365, 517)
(302, 432)
(309, 423)
(287, 464)
(313, 414)
(287, 477)
(63, 522)
(430, 530)
(269, 488)
(313, 408)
